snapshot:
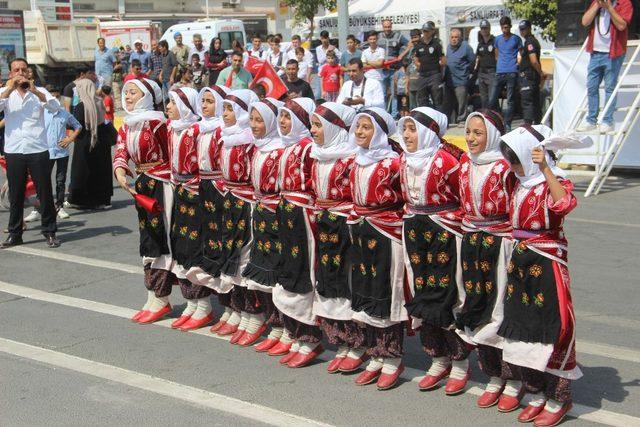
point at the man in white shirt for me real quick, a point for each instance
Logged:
(27, 150)
(256, 48)
(276, 57)
(197, 48)
(373, 57)
(325, 46)
(360, 92)
(296, 42)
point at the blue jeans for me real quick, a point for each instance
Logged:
(387, 85)
(509, 80)
(601, 66)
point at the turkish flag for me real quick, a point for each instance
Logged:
(268, 78)
(253, 65)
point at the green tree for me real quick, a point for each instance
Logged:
(541, 13)
(306, 10)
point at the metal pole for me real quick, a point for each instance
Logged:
(206, 5)
(343, 23)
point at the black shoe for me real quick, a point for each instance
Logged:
(52, 242)
(11, 241)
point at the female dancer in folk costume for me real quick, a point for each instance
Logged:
(432, 236)
(294, 293)
(334, 155)
(377, 290)
(261, 271)
(539, 322)
(186, 240)
(142, 139)
(486, 182)
(235, 163)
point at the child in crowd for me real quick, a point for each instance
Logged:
(331, 74)
(198, 72)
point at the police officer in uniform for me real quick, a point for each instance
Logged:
(393, 43)
(485, 68)
(530, 75)
(432, 62)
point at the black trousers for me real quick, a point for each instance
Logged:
(38, 165)
(61, 164)
(431, 86)
(530, 97)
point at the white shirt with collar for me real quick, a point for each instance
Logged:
(24, 129)
(372, 92)
(321, 54)
(308, 56)
(369, 55)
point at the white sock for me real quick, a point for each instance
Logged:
(150, 296)
(285, 337)
(356, 353)
(342, 352)
(226, 314)
(375, 364)
(234, 318)
(276, 333)
(495, 384)
(244, 320)
(459, 369)
(307, 347)
(512, 388)
(538, 400)
(203, 310)
(438, 366)
(191, 307)
(295, 347)
(553, 406)
(254, 323)
(158, 304)
(391, 364)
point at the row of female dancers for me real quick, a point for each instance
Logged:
(310, 220)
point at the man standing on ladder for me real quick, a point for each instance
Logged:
(607, 44)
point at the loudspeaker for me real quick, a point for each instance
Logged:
(570, 31)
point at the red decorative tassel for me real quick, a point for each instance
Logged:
(147, 203)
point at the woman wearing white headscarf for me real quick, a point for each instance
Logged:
(142, 140)
(432, 235)
(235, 164)
(261, 271)
(539, 321)
(486, 182)
(186, 240)
(293, 295)
(334, 155)
(377, 285)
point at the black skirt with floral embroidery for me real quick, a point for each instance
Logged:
(332, 247)
(531, 309)
(479, 252)
(433, 256)
(371, 271)
(186, 241)
(153, 233)
(236, 217)
(211, 206)
(293, 266)
(265, 249)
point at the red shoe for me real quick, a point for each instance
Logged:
(349, 364)
(227, 329)
(334, 365)
(368, 377)
(154, 316)
(387, 381)
(179, 321)
(509, 403)
(215, 328)
(249, 339)
(193, 324)
(301, 360)
(236, 336)
(549, 419)
(429, 382)
(284, 360)
(136, 317)
(281, 348)
(489, 398)
(455, 386)
(266, 345)
(530, 413)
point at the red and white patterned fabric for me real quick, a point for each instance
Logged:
(295, 173)
(143, 143)
(183, 147)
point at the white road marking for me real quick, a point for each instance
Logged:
(157, 385)
(579, 411)
(595, 221)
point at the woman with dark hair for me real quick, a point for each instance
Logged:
(215, 59)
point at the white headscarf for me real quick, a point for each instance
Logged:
(239, 133)
(298, 129)
(188, 114)
(209, 124)
(428, 140)
(523, 142)
(271, 139)
(492, 152)
(144, 109)
(379, 147)
(336, 144)
(93, 108)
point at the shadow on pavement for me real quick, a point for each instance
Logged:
(601, 383)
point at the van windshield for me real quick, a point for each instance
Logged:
(228, 37)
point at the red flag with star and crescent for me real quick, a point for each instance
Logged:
(268, 78)
(253, 65)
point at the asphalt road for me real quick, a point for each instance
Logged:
(70, 356)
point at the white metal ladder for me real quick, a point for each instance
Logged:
(607, 145)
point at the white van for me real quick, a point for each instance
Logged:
(227, 29)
